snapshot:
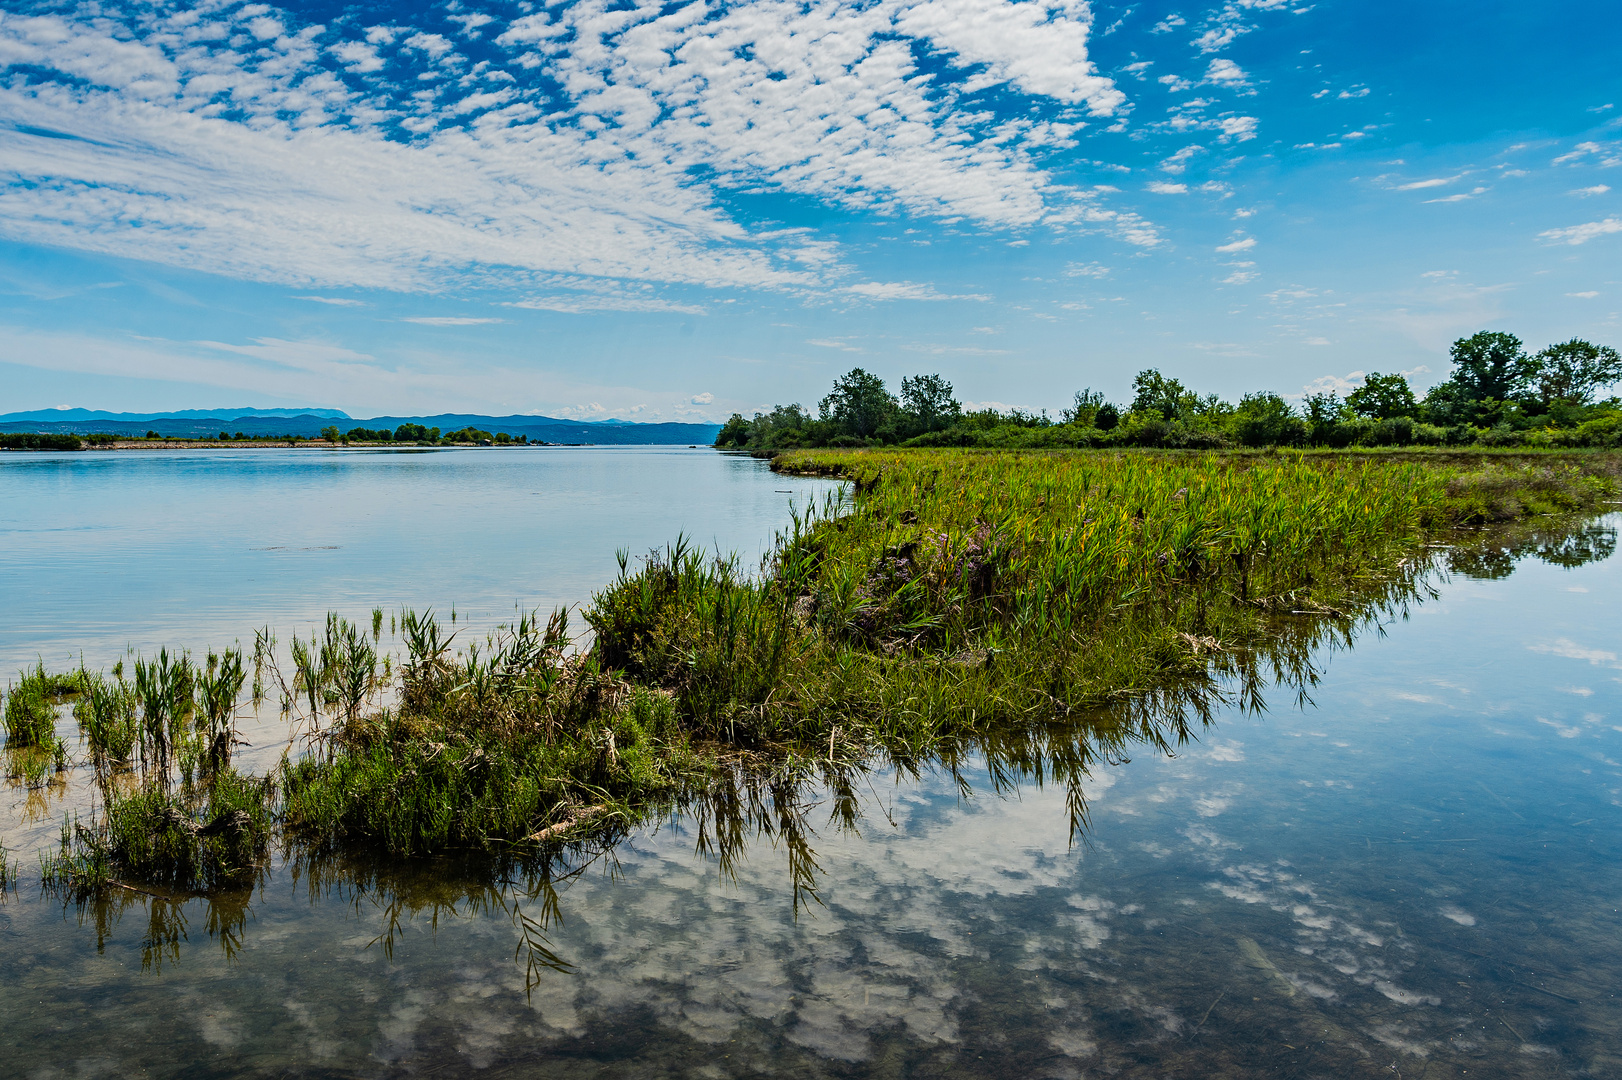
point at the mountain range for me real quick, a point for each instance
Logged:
(269, 423)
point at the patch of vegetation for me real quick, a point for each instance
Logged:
(1034, 608)
(39, 441)
(1497, 396)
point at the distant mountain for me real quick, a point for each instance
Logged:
(268, 423)
(84, 415)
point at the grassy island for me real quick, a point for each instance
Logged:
(1058, 605)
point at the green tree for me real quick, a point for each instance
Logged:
(1152, 390)
(1491, 365)
(1084, 410)
(927, 404)
(734, 433)
(1382, 397)
(859, 403)
(330, 433)
(1573, 370)
(1265, 419)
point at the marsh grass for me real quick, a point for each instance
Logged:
(31, 703)
(1044, 613)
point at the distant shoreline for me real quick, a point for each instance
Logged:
(318, 444)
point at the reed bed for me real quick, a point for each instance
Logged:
(1044, 612)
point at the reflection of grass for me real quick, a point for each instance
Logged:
(1049, 611)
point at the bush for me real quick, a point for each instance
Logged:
(39, 441)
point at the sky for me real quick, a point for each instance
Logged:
(646, 211)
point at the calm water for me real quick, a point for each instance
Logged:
(102, 551)
(1417, 873)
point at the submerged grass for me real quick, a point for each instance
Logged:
(1045, 611)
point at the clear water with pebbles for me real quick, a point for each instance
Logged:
(1415, 873)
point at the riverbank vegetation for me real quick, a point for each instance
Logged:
(1498, 395)
(1063, 603)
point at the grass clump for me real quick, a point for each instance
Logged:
(511, 742)
(194, 839)
(30, 713)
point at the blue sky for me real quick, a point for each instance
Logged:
(673, 211)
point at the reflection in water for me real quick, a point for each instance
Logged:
(1371, 887)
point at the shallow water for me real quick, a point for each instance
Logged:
(100, 551)
(1417, 873)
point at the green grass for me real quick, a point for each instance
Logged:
(1045, 611)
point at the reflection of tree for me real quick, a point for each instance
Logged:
(1492, 554)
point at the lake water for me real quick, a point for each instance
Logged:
(101, 551)
(1418, 872)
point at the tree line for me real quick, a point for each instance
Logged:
(1498, 394)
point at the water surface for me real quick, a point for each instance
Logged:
(100, 551)
(1416, 872)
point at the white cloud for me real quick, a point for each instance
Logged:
(1419, 185)
(1175, 83)
(1588, 192)
(954, 350)
(1588, 295)
(1225, 72)
(1178, 162)
(1581, 234)
(263, 161)
(1238, 245)
(841, 344)
(1168, 24)
(1092, 270)
(903, 290)
(1161, 187)
(1572, 651)
(1460, 197)
(448, 320)
(333, 300)
(705, 398)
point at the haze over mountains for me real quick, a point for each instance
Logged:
(265, 423)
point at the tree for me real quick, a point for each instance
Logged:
(1265, 419)
(1152, 390)
(330, 433)
(1382, 397)
(859, 403)
(927, 404)
(1084, 410)
(1573, 370)
(1491, 365)
(735, 432)
(1323, 409)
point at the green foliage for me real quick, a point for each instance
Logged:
(1382, 397)
(30, 711)
(927, 404)
(362, 434)
(331, 433)
(415, 433)
(859, 404)
(39, 441)
(1497, 396)
(195, 840)
(106, 712)
(1573, 370)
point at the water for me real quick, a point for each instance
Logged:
(104, 551)
(1416, 873)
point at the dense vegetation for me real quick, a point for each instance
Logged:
(36, 441)
(1049, 602)
(1497, 395)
